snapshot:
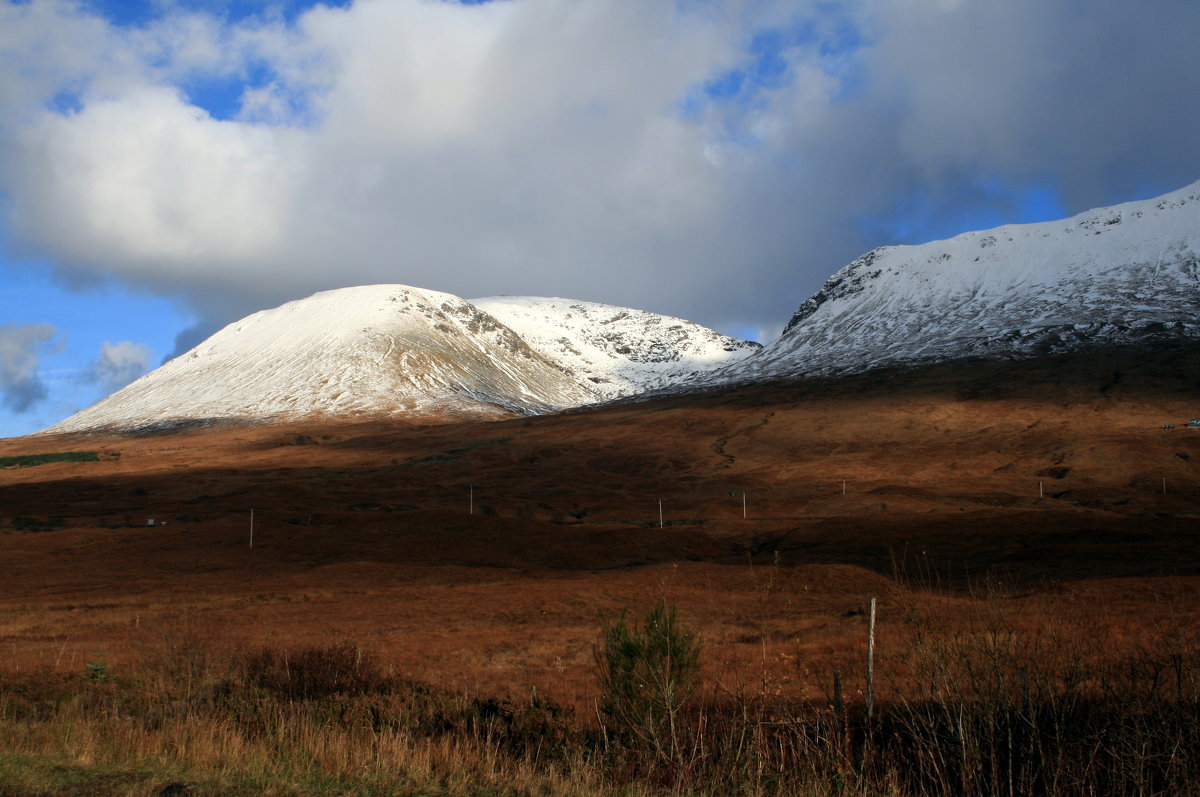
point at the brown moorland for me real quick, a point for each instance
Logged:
(481, 556)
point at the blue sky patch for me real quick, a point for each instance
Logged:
(927, 216)
(829, 40)
(66, 102)
(85, 319)
(221, 95)
(138, 13)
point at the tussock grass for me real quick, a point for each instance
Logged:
(995, 704)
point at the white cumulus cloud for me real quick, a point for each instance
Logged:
(21, 348)
(714, 160)
(119, 364)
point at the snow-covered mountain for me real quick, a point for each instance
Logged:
(392, 349)
(617, 350)
(1112, 275)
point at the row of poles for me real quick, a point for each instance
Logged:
(870, 631)
(870, 696)
(471, 507)
(870, 625)
(661, 522)
(471, 497)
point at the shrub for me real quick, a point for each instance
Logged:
(97, 669)
(22, 523)
(646, 676)
(314, 672)
(538, 728)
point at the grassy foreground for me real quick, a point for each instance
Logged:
(999, 705)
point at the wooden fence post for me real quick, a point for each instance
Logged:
(870, 707)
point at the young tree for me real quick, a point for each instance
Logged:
(646, 676)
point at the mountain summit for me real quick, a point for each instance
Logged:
(618, 351)
(396, 350)
(1107, 276)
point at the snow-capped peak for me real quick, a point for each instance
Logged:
(393, 349)
(619, 351)
(1110, 274)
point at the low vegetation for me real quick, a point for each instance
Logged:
(647, 676)
(25, 523)
(995, 707)
(32, 460)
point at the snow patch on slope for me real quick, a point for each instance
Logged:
(617, 351)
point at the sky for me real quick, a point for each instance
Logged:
(167, 167)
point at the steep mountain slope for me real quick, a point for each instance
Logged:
(1110, 275)
(617, 350)
(393, 349)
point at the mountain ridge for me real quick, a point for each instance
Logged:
(1109, 275)
(1116, 275)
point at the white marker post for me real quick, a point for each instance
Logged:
(471, 498)
(251, 527)
(1041, 492)
(870, 707)
(660, 517)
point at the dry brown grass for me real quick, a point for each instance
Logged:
(978, 695)
(362, 536)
